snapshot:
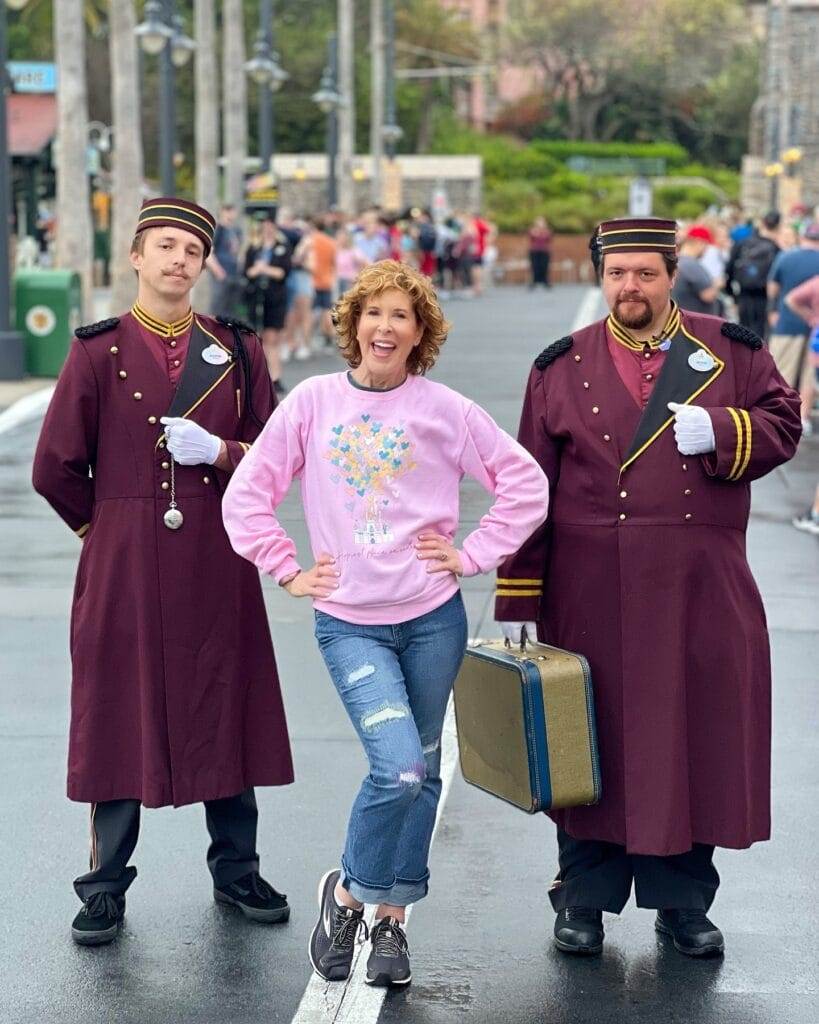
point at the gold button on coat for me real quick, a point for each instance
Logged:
(138, 396)
(173, 344)
(687, 515)
(622, 516)
(152, 419)
(623, 494)
(606, 437)
(585, 384)
(595, 409)
(577, 359)
(166, 465)
(205, 479)
(687, 490)
(113, 350)
(685, 465)
(165, 485)
(122, 374)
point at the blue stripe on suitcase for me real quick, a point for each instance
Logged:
(536, 736)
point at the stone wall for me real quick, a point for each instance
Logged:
(409, 181)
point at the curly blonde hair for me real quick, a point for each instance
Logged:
(375, 280)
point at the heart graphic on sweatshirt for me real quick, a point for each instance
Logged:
(365, 416)
(349, 505)
(337, 430)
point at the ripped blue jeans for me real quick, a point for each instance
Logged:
(394, 682)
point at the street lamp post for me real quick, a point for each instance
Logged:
(391, 132)
(12, 350)
(266, 72)
(161, 34)
(328, 99)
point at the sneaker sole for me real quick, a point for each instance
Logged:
(95, 938)
(715, 949)
(277, 916)
(335, 973)
(386, 981)
(567, 947)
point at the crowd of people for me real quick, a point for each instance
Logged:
(284, 275)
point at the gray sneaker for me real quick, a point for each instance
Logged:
(333, 940)
(389, 962)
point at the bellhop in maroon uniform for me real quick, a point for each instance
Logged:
(175, 697)
(651, 425)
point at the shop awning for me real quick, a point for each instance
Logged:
(32, 122)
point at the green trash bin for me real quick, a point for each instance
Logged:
(48, 306)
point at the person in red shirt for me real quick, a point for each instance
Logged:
(481, 232)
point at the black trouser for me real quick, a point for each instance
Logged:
(752, 308)
(231, 823)
(599, 875)
(540, 267)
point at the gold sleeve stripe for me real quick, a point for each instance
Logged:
(748, 436)
(738, 427)
(517, 593)
(244, 446)
(518, 583)
(83, 530)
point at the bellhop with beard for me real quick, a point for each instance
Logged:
(651, 425)
(175, 697)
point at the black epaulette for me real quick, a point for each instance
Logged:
(557, 348)
(100, 327)
(240, 325)
(736, 332)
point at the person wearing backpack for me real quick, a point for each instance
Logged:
(747, 273)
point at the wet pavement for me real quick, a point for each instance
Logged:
(481, 942)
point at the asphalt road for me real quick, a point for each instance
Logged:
(481, 949)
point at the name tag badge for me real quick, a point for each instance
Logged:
(214, 355)
(701, 361)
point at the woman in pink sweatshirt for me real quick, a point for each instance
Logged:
(379, 452)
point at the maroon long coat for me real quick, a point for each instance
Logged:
(642, 568)
(175, 696)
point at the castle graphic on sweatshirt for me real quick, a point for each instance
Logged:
(367, 457)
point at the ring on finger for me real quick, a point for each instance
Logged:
(443, 556)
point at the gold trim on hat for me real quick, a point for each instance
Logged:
(172, 206)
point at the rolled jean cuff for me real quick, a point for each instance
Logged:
(400, 894)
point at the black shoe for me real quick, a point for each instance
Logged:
(692, 932)
(579, 930)
(255, 898)
(99, 920)
(333, 939)
(389, 962)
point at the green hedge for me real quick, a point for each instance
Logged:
(675, 156)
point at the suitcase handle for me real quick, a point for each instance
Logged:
(524, 637)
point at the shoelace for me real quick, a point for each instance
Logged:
(101, 904)
(389, 939)
(582, 914)
(262, 889)
(345, 929)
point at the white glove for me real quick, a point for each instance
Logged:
(189, 443)
(512, 631)
(693, 429)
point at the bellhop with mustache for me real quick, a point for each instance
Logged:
(175, 697)
(651, 425)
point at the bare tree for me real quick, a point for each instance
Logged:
(234, 98)
(127, 164)
(74, 237)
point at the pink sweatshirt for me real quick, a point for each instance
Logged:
(376, 469)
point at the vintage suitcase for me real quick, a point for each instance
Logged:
(525, 722)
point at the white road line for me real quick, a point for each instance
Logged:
(587, 310)
(355, 1002)
(29, 407)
